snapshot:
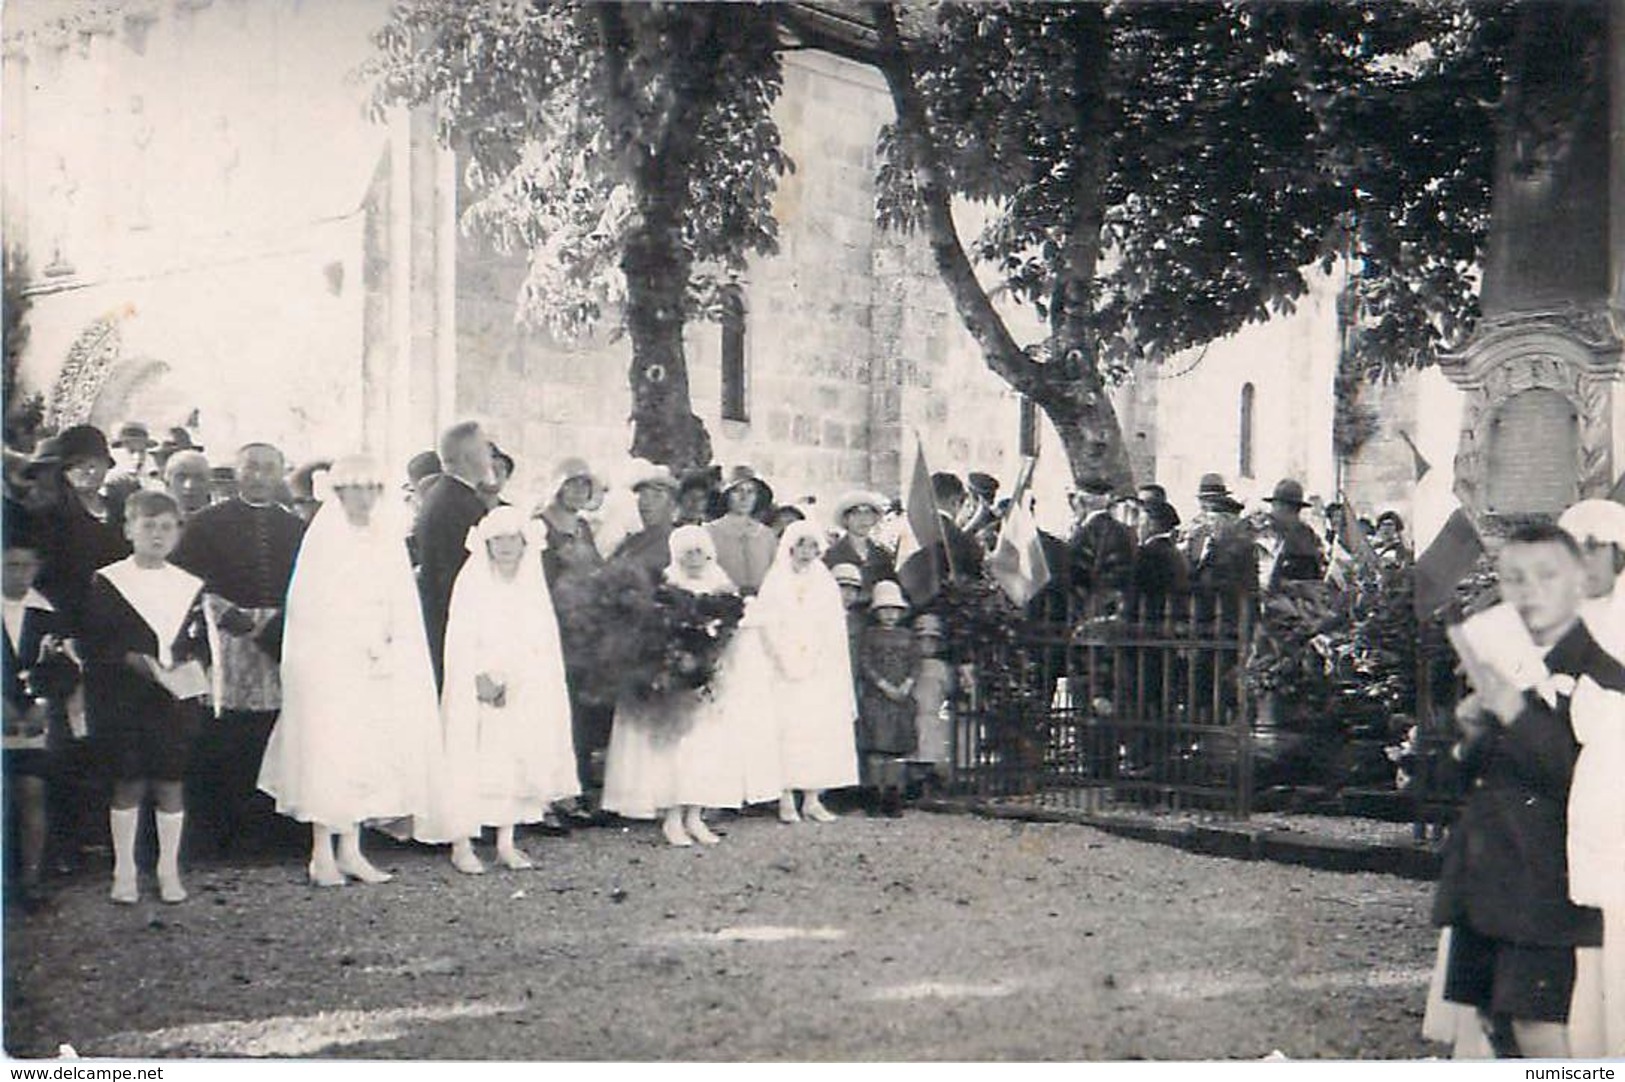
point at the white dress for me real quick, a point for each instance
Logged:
(1596, 852)
(669, 750)
(505, 764)
(794, 672)
(359, 716)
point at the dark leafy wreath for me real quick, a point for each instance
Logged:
(647, 639)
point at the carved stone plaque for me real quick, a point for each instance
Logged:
(1533, 446)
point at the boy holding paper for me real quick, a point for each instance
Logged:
(1504, 887)
(145, 643)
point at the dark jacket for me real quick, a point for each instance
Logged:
(1505, 871)
(114, 694)
(76, 544)
(51, 674)
(1160, 574)
(879, 567)
(244, 554)
(1101, 563)
(448, 511)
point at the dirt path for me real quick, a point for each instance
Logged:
(930, 937)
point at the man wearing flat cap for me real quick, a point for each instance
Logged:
(656, 489)
(447, 513)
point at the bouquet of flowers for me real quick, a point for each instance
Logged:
(689, 634)
(647, 639)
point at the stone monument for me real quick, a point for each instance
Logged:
(1540, 370)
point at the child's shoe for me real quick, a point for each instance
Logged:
(787, 811)
(170, 890)
(673, 830)
(324, 874)
(515, 860)
(696, 828)
(359, 867)
(816, 811)
(464, 860)
(125, 890)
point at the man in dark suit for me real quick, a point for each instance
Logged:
(1102, 551)
(448, 511)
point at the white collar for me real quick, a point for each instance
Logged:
(33, 599)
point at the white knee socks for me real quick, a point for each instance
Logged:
(170, 825)
(124, 822)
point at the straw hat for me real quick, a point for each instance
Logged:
(847, 575)
(888, 595)
(859, 498)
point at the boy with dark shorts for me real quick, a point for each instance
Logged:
(1504, 890)
(145, 643)
(40, 674)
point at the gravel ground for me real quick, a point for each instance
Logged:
(928, 937)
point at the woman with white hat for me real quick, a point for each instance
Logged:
(857, 513)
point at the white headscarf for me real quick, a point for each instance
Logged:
(800, 610)
(712, 579)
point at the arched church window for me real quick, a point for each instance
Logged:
(733, 355)
(1244, 449)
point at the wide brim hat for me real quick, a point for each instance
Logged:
(847, 575)
(888, 595)
(81, 442)
(1289, 492)
(984, 485)
(178, 440)
(571, 468)
(859, 498)
(47, 453)
(133, 434)
(740, 475)
(421, 465)
(1212, 484)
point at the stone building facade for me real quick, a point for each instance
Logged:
(218, 233)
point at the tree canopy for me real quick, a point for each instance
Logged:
(628, 149)
(1159, 175)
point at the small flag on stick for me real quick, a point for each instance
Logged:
(1418, 463)
(1445, 562)
(918, 570)
(1018, 564)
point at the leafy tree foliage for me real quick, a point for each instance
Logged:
(629, 149)
(1158, 175)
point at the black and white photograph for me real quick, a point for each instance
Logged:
(832, 532)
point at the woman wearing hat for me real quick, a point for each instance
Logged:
(85, 528)
(745, 546)
(857, 513)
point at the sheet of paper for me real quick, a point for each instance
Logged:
(1497, 639)
(188, 680)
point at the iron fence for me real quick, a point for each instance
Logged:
(1147, 709)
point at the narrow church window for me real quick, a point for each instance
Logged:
(1245, 465)
(733, 356)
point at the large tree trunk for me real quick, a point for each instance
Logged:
(664, 427)
(1066, 385)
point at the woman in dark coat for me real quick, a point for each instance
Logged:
(857, 513)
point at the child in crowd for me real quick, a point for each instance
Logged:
(1596, 806)
(886, 725)
(933, 687)
(850, 579)
(507, 752)
(1504, 887)
(145, 643)
(39, 676)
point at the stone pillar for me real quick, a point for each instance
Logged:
(1540, 368)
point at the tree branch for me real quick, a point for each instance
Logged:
(1003, 354)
